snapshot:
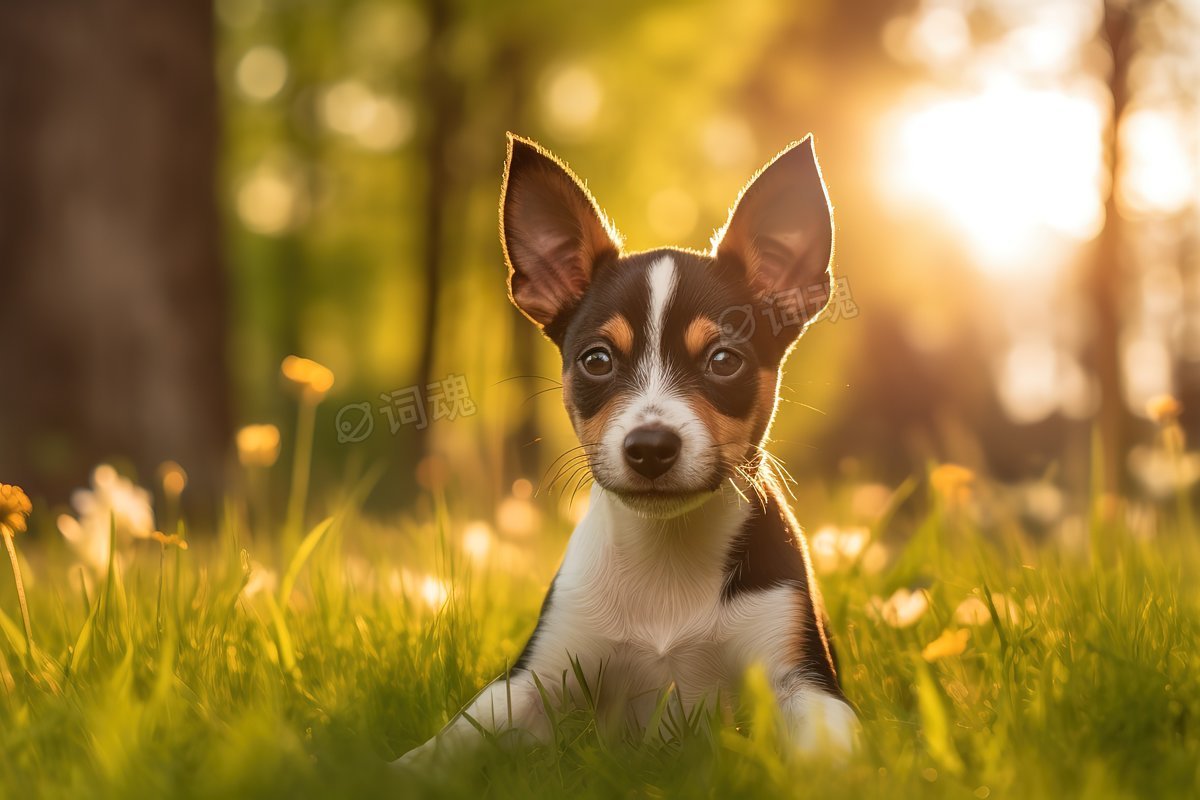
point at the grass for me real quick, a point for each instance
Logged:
(172, 676)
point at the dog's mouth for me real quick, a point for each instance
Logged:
(661, 498)
(663, 503)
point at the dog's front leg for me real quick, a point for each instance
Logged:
(817, 721)
(504, 706)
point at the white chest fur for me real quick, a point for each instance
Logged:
(639, 604)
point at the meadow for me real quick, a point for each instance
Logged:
(987, 658)
(986, 428)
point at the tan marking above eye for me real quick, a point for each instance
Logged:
(619, 332)
(699, 334)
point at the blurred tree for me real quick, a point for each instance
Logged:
(113, 315)
(442, 99)
(1106, 276)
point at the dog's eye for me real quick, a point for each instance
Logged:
(724, 363)
(597, 361)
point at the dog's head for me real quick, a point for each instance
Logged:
(671, 358)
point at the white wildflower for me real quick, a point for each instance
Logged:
(902, 609)
(112, 499)
(261, 580)
(835, 548)
(974, 611)
(1163, 473)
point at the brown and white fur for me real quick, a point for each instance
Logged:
(688, 567)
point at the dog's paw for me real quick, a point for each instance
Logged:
(825, 725)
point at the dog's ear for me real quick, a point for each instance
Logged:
(553, 233)
(780, 233)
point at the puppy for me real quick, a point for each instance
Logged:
(688, 567)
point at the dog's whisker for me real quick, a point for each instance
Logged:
(777, 467)
(568, 474)
(569, 467)
(587, 476)
(563, 455)
(540, 392)
(526, 377)
(573, 453)
(568, 470)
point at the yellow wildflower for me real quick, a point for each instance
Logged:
(258, 445)
(173, 539)
(14, 509)
(952, 482)
(950, 643)
(1163, 409)
(314, 379)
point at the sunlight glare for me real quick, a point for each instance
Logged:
(1011, 167)
(477, 541)
(517, 517)
(728, 141)
(1036, 379)
(376, 122)
(268, 199)
(1158, 176)
(434, 592)
(572, 100)
(1147, 369)
(262, 72)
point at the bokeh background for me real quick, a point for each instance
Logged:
(190, 192)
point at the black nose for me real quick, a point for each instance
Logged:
(651, 451)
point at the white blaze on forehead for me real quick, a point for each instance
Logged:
(662, 279)
(651, 371)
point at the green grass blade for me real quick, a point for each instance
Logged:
(299, 559)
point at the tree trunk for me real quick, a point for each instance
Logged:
(111, 294)
(1104, 283)
(442, 97)
(523, 452)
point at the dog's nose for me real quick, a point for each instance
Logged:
(651, 451)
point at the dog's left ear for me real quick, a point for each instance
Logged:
(780, 233)
(553, 232)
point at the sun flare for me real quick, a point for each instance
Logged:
(1013, 169)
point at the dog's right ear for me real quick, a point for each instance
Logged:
(554, 235)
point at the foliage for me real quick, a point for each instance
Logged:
(184, 673)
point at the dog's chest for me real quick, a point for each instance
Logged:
(633, 641)
(639, 607)
(637, 638)
(655, 621)
(651, 618)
